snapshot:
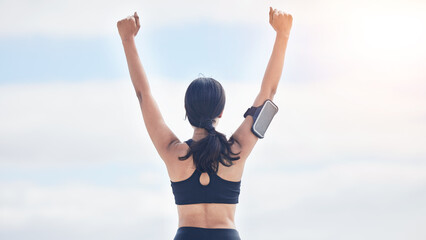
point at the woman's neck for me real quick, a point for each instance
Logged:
(199, 133)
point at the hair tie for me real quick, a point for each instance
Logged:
(211, 131)
(208, 125)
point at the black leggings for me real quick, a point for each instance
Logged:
(197, 233)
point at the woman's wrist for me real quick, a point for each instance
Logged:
(285, 35)
(128, 40)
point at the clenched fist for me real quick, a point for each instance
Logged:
(280, 21)
(128, 27)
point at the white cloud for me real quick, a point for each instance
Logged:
(339, 153)
(341, 201)
(68, 122)
(99, 121)
(100, 17)
(357, 200)
(79, 203)
(79, 210)
(96, 17)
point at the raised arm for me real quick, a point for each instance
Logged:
(160, 134)
(281, 22)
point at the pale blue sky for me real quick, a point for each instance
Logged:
(239, 52)
(172, 52)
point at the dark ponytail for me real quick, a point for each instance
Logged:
(204, 101)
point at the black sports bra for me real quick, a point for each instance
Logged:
(218, 190)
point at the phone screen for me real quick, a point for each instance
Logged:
(265, 118)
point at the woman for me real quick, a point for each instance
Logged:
(205, 171)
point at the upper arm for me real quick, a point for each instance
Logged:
(243, 135)
(164, 140)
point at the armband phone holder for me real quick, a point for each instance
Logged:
(262, 117)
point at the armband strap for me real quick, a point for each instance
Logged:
(250, 111)
(254, 111)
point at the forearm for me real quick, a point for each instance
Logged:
(136, 70)
(275, 65)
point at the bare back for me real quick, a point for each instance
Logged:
(205, 215)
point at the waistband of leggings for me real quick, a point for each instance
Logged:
(226, 229)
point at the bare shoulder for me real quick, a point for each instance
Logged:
(176, 168)
(176, 150)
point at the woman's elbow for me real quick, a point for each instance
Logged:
(139, 95)
(272, 93)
